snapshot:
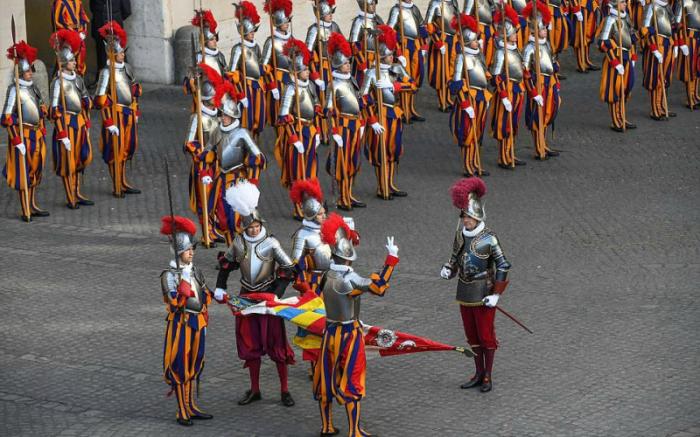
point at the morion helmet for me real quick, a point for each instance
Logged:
(247, 16)
(308, 193)
(466, 196)
(325, 7)
(297, 51)
(544, 16)
(205, 20)
(280, 10)
(23, 54)
(66, 43)
(470, 29)
(211, 80)
(387, 40)
(511, 20)
(243, 198)
(227, 99)
(114, 36)
(340, 236)
(181, 230)
(363, 3)
(339, 50)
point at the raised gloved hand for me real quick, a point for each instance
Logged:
(491, 300)
(113, 130)
(219, 294)
(538, 98)
(320, 84)
(244, 102)
(445, 273)
(391, 247)
(659, 57)
(206, 180)
(299, 146)
(82, 35)
(383, 83)
(470, 111)
(338, 139)
(66, 143)
(579, 15)
(377, 128)
(402, 60)
(21, 148)
(507, 104)
(685, 50)
(275, 93)
(620, 69)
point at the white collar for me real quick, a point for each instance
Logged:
(340, 268)
(542, 41)
(230, 127)
(474, 232)
(116, 64)
(471, 51)
(260, 236)
(511, 45)
(327, 25)
(68, 75)
(384, 67)
(407, 5)
(311, 224)
(613, 11)
(302, 82)
(661, 2)
(183, 266)
(284, 36)
(367, 15)
(26, 83)
(249, 43)
(211, 52)
(210, 112)
(339, 75)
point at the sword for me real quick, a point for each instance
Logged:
(511, 317)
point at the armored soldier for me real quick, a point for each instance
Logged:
(443, 48)
(543, 104)
(241, 158)
(120, 117)
(523, 23)
(26, 153)
(559, 33)
(213, 58)
(340, 369)
(384, 143)
(362, 37)
(507, 77)
(300, 116)
(204, 158)
(186, 297)
(317, 39)
(583, 23)
(471, 97)
(617, 77)
(265, 269)
(345, 105)
(70, 14)
(482, 269)
(657, 44)
(70, 110)
(484, 16)
(413, 35)
(687, 19)
(248, 51)
(275, 63)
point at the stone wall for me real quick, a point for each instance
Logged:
(16, 8)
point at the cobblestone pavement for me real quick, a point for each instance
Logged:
(604, 241)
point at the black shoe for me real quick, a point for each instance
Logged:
(486, 384)
(25, 218)
(85, 202)
(201, 416)
(672, 114)
(660, 118)
(484, 173)
(72, 206)
(287, 399)
(184, 422)
(519, 163)
(593, 67)
(40, 213)
(249, 397)
(539, 158)
(630, 126)
(131, 190)
(385, 198)
(582, 71)
(328, 434)
(505, 167)
(617, 129)
(552, 153)
(358, 204)
(219, 239)
(399, 193)
(344, 208)
(119, 196)
(474, 382)
(417, 118)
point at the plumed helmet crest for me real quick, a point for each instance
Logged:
(387, 36)
(305, 188)
(294, 48)
(113, 29)
(22, 51)
(171, 225)
(329, 229)
(249, 11)
(461, 190)
(207, 18)
(225, 88)
(337, 42)
(213, 76)
(511, 15)
(65, 37)
(542, 11)
(466, 22)
(243, 197)
(275, 5)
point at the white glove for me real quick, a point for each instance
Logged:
(538, 98)
(675, 52)
(82, 35)
(620, 69)
(507, 104)
(206, 180)
(244, 102)
(391, 247)
(659, 56)
(113, 130)
(470, 111)
(338, 140)
(320, 84)
(402, 60)
(491, 300)
(443, 49)
(481, 44)
(642, 2)
(579, 15)
(22, 148)
(219, 294)
(362, 131)
(275, 93)
(685, 50)
(424, 52)
(383, 83)
(317, 140)
(137, 119)
(66, 143)
(377, 128)
(299, 146)
(445, 273)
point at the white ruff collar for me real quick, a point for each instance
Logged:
(211, 52)
(284, 36)
(230, 127)
(302, 82)
(311, 224)
(116, 64)
(474, 232)
(384, 67)
(511, 46)
(326, 24)
(367, 15)
(209, 112)
(68, 75)
(26, 83)
(338, 75)
(532, 39)
(407, 5)
(471, 51)
(259, 237)
(250, 44)
(340, 268)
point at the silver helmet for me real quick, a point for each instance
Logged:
(230, 107)
(180, 231)
(344, 236)
(24, 66)
(311, 207)
(338, 59)
(279, 17)
(308, 193)
(208, 92)
(299, 64)
(65, 55)
(324, 8)
(251, 218)
(475, 208)
(361, 3)
(183, 242)
(248, 26)
(467, 196)
(469, 35)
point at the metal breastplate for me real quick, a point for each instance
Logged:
(346, 96)
(692, 14)
(310, 240)
(663, 19)
(170, 281)
(410, 23)
(307, 102)
(213, 62)
(233, 150)
(450, 13)
(388, 96)
(626, 34)
(518, 5)
(195, 304)
(476, 69)
(31, 106)
(282, 60)
(123, 83)
(257, 262)
(515, 64)
(546, 59)
(367, 23)
(485, 14)
(72, 95)
(475, 269)
(252, 61)
(209, 126)
(340, 307)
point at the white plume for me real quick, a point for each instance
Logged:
(243, 197)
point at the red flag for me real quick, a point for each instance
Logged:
(388, 342)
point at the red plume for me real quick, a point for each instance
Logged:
(467, 22)
(248, 10)
(67, 37)
(331, 3)
(387, 36)
(209, 20)
(308, 187)
(223, 88)
(511, 15)
(275, 5)
(331, 225)
(24, 51)
(461, 189)
(294, 47)
(113, 27)
(338, 42)
(213, 76)
(177, 224)
(542, 10)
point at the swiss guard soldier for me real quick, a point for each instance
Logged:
(265, 268)
(507, 76)
(658, 43)
(340, 369)
(484, 16)
(300, 116)
(443, 48)
(544, 92)
(617, 78)
(386, 121)
(275, 62)
(408, 23)
(253, 116)
(345, 104)
(523, 23)
(325, 10)
(583, 23)
(27, 144)
(559, 33)
(470, 87)
(241, 158)
(119, 118)
(213, 57)
(687, 13)
(70, 110)
(478, 260)
(70, 14)
(186, 297)
(362, 39)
